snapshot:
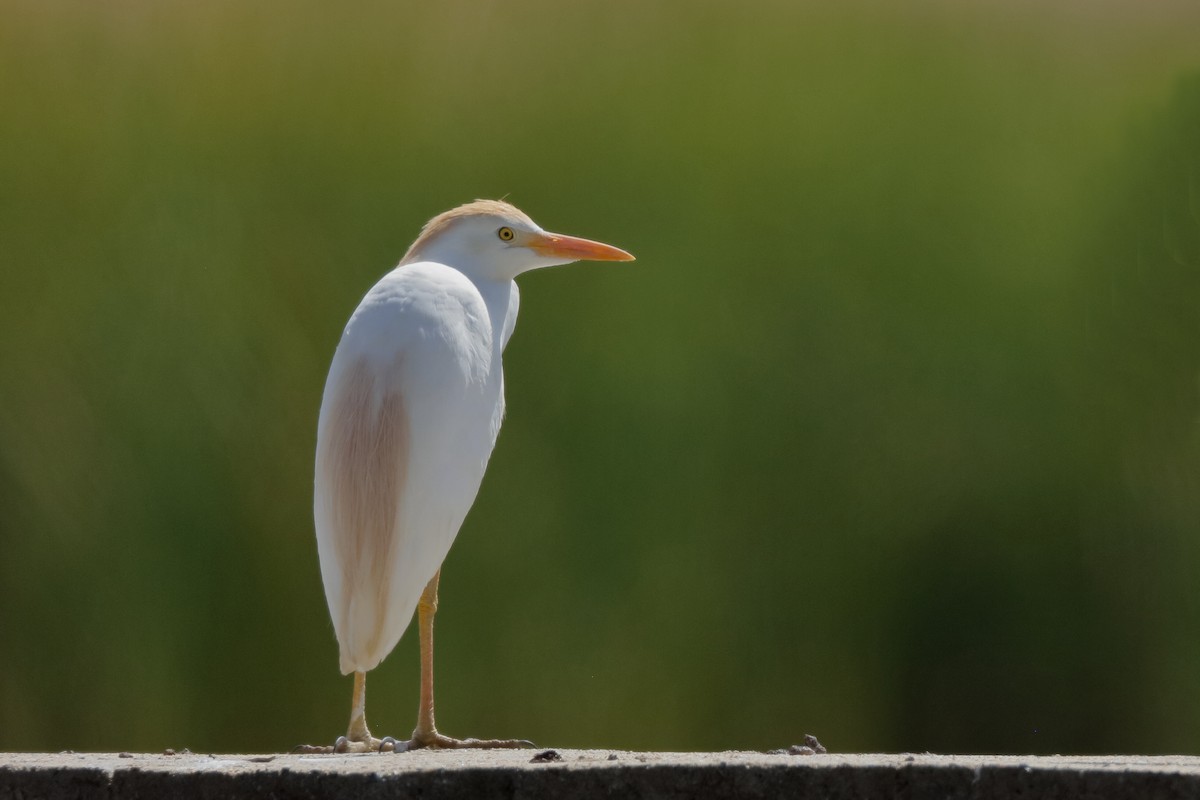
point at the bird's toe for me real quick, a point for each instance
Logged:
(441, 742)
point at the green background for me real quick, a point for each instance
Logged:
(891, 434)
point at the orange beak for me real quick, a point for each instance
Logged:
(556, 245)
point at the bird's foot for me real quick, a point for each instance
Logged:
(436, 741)
(344, 745)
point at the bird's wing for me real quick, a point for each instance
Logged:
(410, 377)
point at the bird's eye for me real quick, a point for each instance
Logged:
(506, 234)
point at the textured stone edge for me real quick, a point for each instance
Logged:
(710, 776)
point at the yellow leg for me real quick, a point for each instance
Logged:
(358, 738)
(426, 730)
(357, 732)
(425, 734)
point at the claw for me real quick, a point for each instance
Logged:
(387, 745)
(342, 745)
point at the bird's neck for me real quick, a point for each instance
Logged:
(500, 297)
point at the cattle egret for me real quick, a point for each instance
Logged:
(409, 417)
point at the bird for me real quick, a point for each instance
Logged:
(409, 417)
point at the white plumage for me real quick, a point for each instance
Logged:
(415, 390)
(410, 414)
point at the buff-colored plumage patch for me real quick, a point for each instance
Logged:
(479, 208)
(366, 457)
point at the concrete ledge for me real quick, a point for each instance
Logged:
(586, 774)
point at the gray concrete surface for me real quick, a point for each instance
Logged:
(589, 774)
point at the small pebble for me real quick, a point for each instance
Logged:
(124, 755)
(811, 747)
(544, 756)
(612, 756)
(811, 741)
(168, 752)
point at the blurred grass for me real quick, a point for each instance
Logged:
(889, 435)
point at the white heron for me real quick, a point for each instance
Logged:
(409, 417)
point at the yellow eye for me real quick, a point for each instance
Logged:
(505, 234)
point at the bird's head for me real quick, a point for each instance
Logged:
(495, 240)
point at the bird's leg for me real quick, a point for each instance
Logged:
(426, 730)
(358, 732)
(358, 738)
(425, 734)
